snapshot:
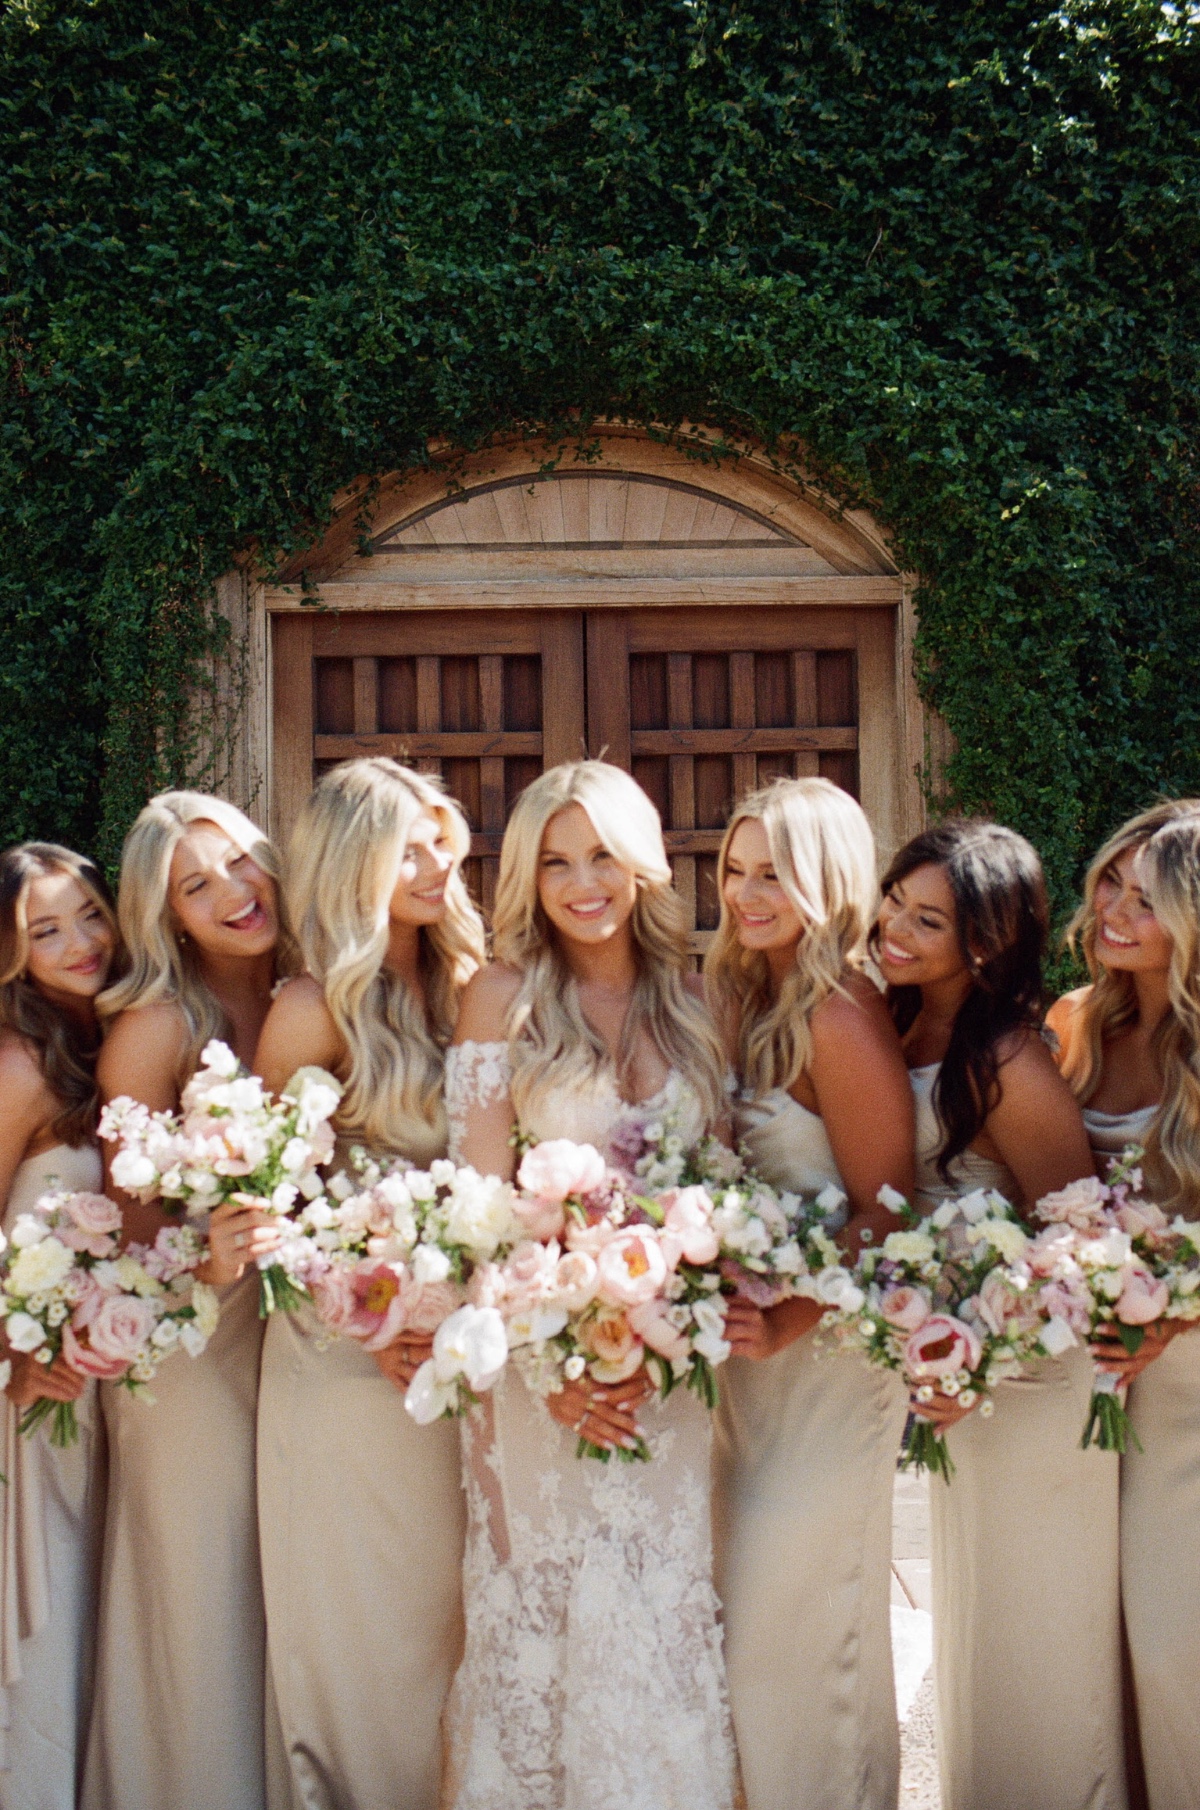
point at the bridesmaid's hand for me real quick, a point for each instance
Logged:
(757, 1333)
(30, 1381)
(238, 1234)
(605, 1414)
(941, 1411)
(1110, 1354)
(401, 1360)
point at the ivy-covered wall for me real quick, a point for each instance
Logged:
(252, 249)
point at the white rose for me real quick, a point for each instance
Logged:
(29, 1230)
(40, 1266)
(23, 1332)
(429, 1264)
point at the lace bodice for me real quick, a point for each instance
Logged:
(593, 1676)
(788, 1145)
(969, 1169)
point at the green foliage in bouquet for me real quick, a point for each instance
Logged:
(251, 252)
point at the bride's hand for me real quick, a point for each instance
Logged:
(605, 1414)
(401, 1360)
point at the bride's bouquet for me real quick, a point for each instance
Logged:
(948, 1304)
(1109, 1259)
(613, 1276)
(391, 1251)
(68, 1288)
(232, 1141)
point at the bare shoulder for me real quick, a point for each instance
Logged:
(1026, 1060)
(299, 1002)
(142, 1051)
(1061, 1015)
(487, 1000)
(21, 1079)
(856, 1013)
(300, 1031)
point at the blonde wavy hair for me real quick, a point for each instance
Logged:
(64, 1051)
(823, 853)
(1168, 837)
(162, 966)
(551, 1043)
(343, 864)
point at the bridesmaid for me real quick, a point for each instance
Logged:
(179, 1714)
(361, 1511)
(806, 1446)
(1131, 1051)
(58, 938)
(1026, 1617)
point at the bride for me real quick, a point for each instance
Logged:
(593, 1677)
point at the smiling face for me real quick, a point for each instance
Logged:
(583, 889)
(918, 939)
(764, 915)
(420, 892)
(1128, 935)
(220, 897)
(71, 942)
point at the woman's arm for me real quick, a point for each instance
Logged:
(483, 1126)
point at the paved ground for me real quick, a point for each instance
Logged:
(912, 1642)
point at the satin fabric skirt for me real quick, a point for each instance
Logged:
(178, 1719)
(1026, 1604)
(362, 1524)
(44, 1710)
(806, 1445)
(1160, 1569)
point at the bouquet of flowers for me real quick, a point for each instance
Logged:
(610, 1278)
(232, 1141)
(947, 1302)
(391, 1249)
(1107, 1257)
(113, 1315)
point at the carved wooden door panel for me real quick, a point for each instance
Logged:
(488, 699)
(704, 705)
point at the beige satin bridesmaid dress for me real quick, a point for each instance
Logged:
(51, 1514)
(806, 1449)
(1160, 1538)
(1026, 1611)
(362, 1523)
(179, 1720)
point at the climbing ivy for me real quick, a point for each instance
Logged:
(251, 251)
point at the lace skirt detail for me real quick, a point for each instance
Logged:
(593, 1677)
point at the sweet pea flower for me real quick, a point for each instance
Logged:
(560, 1169)
(906, 1308)
(941, 1347)
(632, 1268)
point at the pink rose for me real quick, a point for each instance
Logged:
(540, 1218)
(558, 1169)
(93, 1222)
(632, 1267)
(119, 1328)
(424, 1306)
(688, 1232)
(1001, 1305)
(1143, 1297)
(1138, 1217)
(1081, 1204)
(906, 1308)
(88, 1362)
(335, 1299)
(650, 1323)
(576, 1280)
(941, 1347)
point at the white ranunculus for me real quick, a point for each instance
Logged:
(908, 1247)
(428, 1397)
(40, 1267)
(1004, 1235)
(471, 1343)
(429, 1264)
(24, 1333)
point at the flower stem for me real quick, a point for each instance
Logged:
(278, 1293)
(1108, 1424)
(64, 1427)
(925, 1449)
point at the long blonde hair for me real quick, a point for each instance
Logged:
(163, 966)
(1168, 836)
(550, 1041)
(823, 853)
(64, 1051)
(343, 864)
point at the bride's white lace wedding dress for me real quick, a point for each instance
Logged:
(593, 1675)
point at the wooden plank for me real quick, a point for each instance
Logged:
(879, 764)
(742, 716)
(679, 842)
(383, 634)
(366, 696)
(739, 741)
(491, 767)
(448, 744)
(292, 741)
(429, 693)
(608, 687)
(804, 688)
(806, 764)
(603, 591)
(563, 727)
(730, 631)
